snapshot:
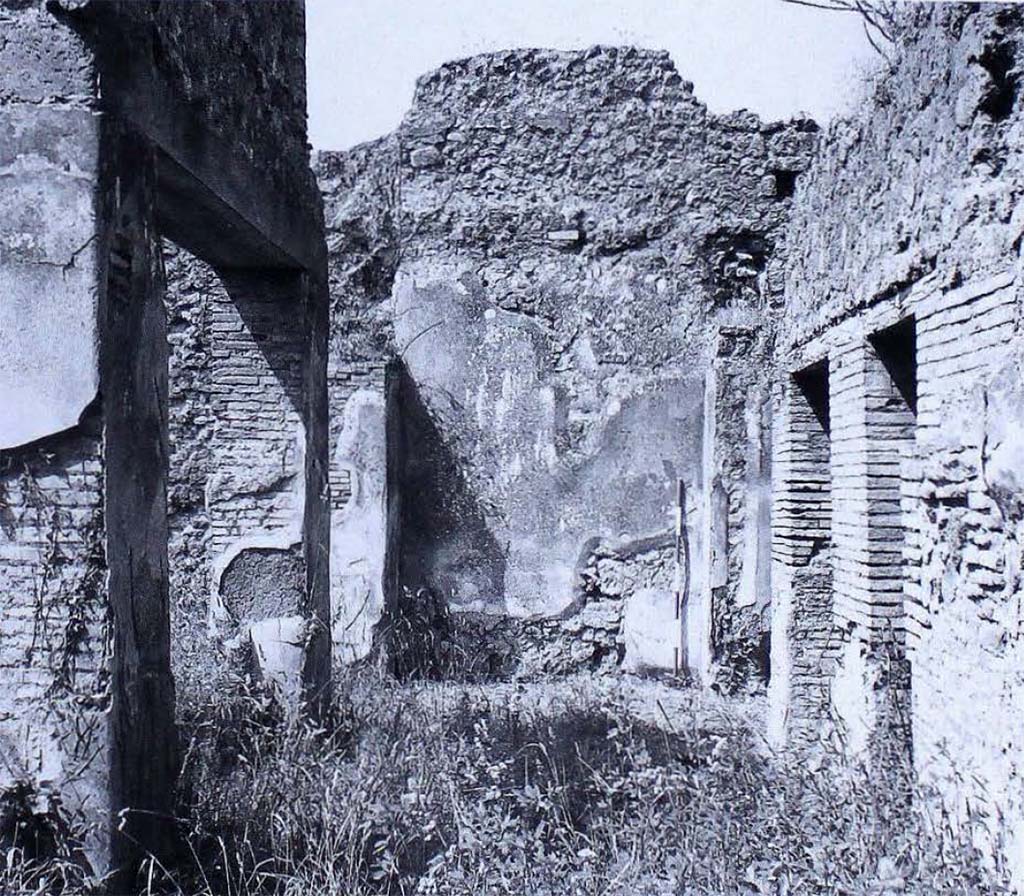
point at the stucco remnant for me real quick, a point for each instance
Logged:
(364, 497)
(548, 245)
(184, 142)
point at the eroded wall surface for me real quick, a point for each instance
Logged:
(54, 668)
(548, 245)
(926, 531)
(363, 510)
(199, 132)
(237, 463)
(54, 672)
(49, 148)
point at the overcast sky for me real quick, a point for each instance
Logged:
(772, 57)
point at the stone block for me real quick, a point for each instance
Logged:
(426, 157)
(650, 631)
(280, 648)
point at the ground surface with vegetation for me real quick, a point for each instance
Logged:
(578, 786)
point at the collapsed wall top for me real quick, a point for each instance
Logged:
(551, 244)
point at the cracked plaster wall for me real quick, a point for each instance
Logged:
(237, 463)
(54, 663)
(548, 244)
(49, 146)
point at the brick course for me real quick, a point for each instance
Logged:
(926, 512)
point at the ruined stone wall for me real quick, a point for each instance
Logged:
(195, 660)
(236, 67)
(54, 661)
(737, 461)
(365, 428)
(926, 525)
(804, 633)
(548, 245)
(92, 179)
(237, 368)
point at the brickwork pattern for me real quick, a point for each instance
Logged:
(53, 643)
(344, 379)
(258, 441)
(964, 610)
(871, 433)
(964, 337)
(803, 630)
(236, 474)
(928, 529)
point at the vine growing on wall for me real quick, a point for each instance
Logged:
(67, 580)
(63, 589)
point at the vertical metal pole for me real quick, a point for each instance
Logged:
(682, 573)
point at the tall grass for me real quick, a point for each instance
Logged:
(564, 788)
(559, 788)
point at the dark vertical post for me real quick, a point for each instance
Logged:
(133, 370)
(682, 576)
(316, 671)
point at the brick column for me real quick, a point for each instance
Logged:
(802, 623)
(873, 429)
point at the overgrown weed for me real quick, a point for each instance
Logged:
(558, 788)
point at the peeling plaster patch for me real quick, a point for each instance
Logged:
(1003, 445)
(280, 648)
(279, 549)
(650, 630)
(260, 583)
(359, 529)
(851, 688)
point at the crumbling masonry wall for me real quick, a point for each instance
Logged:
(198, 134)
(925, 522)
(236, 483)
(548, 246)
(55, 634)
(54, 672)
